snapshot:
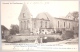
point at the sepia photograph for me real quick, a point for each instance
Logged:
(49, 22)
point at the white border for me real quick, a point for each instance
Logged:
(36, 0)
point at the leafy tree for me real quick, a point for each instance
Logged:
(14, 29)
(75, 15)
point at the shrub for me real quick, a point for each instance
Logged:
(58, 31)
(58, 39)
(12, 39)
(67, 34)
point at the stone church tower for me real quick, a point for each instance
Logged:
(25, 22)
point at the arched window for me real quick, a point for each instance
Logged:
(23, 15)
(58, 23)
(41, 23)
(69, 25)
(24, 24)
(27, 23)
(64, 24)
(34, 24)
(21, 25)
(46, 24)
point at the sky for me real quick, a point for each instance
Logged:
(10, 10)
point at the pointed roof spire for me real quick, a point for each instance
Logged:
(25, 13)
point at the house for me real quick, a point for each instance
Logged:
(4, 31)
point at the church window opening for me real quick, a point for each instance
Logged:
(41, 23)
(34, 25)
(21, 25)
(27, 23)
(64, 24)
(24, 24)
(69, 25)
(46, 24)
(58, 23)
(23, 15)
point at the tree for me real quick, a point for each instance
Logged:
(75, 15)
(14, 29)
(67, 34)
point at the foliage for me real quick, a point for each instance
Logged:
(75, 15)
(14, 29)
(76, 31)
(67, 34)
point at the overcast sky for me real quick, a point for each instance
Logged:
(10, 10)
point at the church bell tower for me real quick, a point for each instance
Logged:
(25, 22)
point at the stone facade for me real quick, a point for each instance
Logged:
(25, 22)
(64, 23)
(43, 21)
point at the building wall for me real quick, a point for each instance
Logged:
(25, 26)
(6, 33)
(37, 24)
(34, 25)
(29, 25)
(67, 24)
(69, 16)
